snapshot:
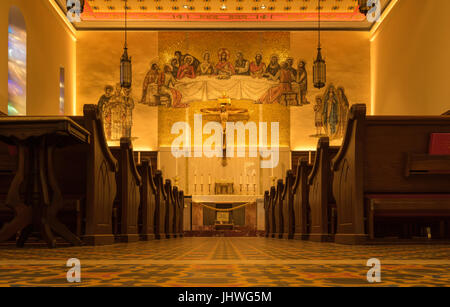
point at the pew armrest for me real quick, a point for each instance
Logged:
(424, 164)
(91, 113)
(357, 112)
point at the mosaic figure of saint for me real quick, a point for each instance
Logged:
(127, 109)
(274, 94)
(180, 59)
(174, 66)
(150, 87)
(331, 111)
(206, 68)
(301, 77)
(117, 111)
(105, 110)
(272, 69)
(257, 67)
(224, 69)
(166, 83)
(318, 116)
(290, 63)
(343, 110)
(242, 66)
(186, 69)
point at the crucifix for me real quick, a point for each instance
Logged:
(223, 114)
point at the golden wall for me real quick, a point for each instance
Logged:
(50, 45)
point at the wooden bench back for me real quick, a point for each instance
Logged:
(386, 142)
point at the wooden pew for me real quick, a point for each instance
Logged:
(300, 190)
(180, 215)
(288, 207)
(272, 219)
(147, 212)
(128, 193)
(176, 212)
(446, 113)
(266, 214)
(170, 210)
(278, 210)
(375, 173)
(86, 177)
(321, 200)
(160, 207)
(8, 165)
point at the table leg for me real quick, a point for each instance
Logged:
(23, 213)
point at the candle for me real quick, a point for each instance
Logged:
(176, 166)
(248, 181)
(309, 158)
(201, 179)
(254, 177)
(139, 157)
(240, 179)
(209, 179)
(195, 178)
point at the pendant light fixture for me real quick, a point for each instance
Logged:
(320, 68)
(125, 60)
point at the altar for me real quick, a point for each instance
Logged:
(204, 88)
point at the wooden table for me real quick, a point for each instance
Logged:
(34, 194)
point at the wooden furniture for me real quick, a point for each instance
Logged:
(266, 214)
(321, 200)
(224, 188)
(287, 202)
(386, 156)
(128, 193)
(160, 207)
(297, 156)
(175, 197)
(147, 214)
(272, 219)
(300, 190)
(278, 210)
(36, 209)
(446, 113)
(180, 215)
(90, 189)
(170, 212)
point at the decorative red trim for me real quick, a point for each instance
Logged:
(90, 15)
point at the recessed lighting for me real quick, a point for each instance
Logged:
(263, 7)
(185, 6)
(223, 7)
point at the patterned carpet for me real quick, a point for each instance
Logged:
(227, 262)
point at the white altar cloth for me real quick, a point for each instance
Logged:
(204, 88)
(226, 199)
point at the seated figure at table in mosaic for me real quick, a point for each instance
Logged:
(242, 65)
(224, 69)
(187, 69)
(206, 68)
(273, 95)
(166, 84)
(272, 69)
(257, 67)
(150, 87)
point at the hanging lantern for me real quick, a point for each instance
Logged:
(364, 8)
(125, 69)
(125, 60)
(319, 70)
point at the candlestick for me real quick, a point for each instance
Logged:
(209, 179)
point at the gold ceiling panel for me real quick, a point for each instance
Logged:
(223, 6)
